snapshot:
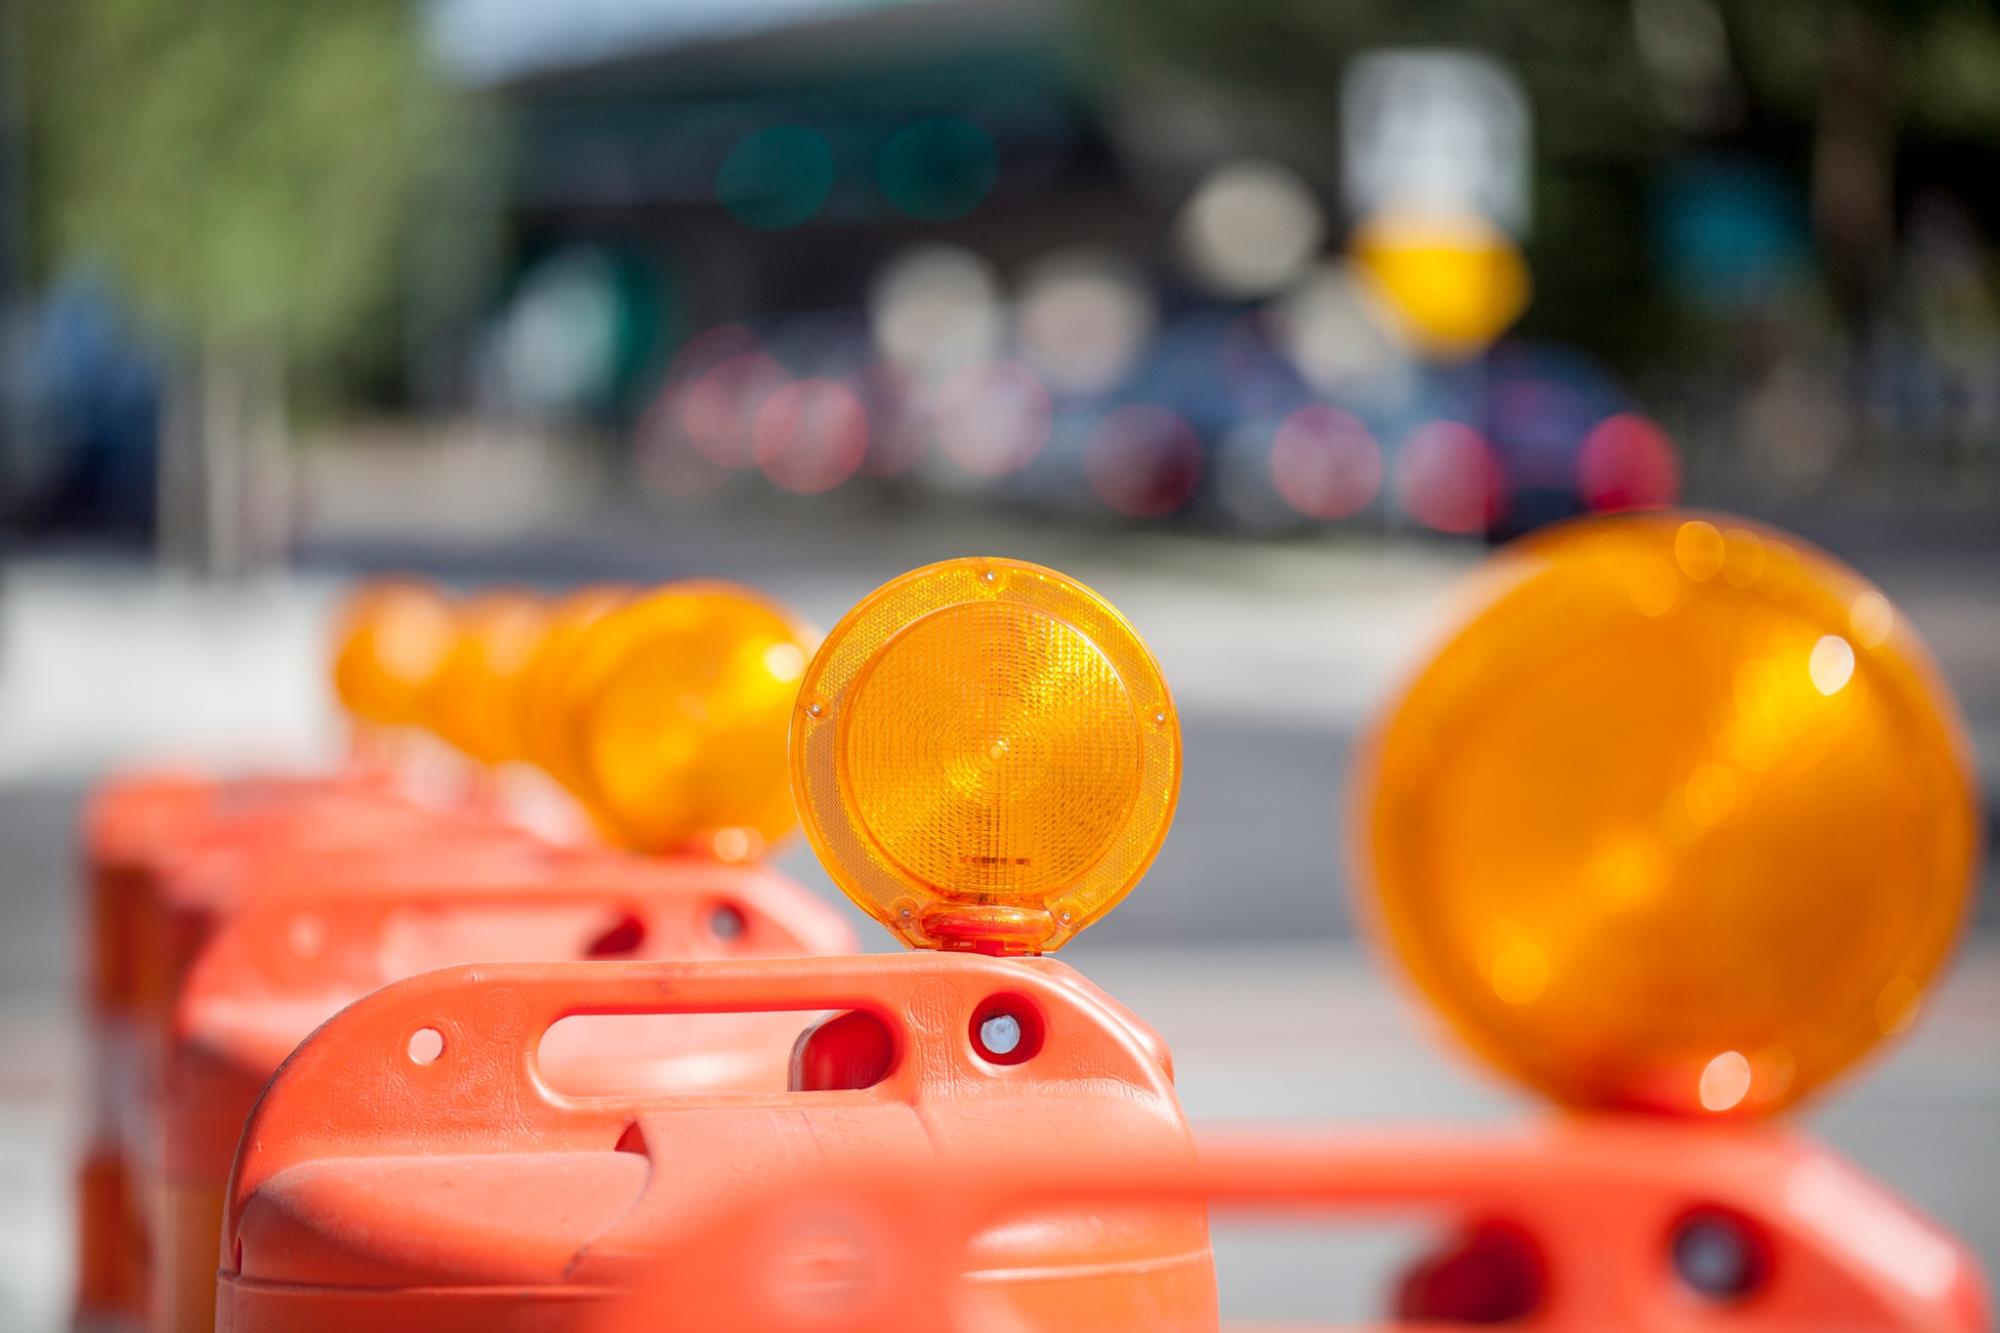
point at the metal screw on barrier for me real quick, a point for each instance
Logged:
(1715, 1257)
(1000, 1035)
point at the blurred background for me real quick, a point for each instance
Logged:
(1263, 318)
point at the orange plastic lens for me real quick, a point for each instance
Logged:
(543, 715)
(392, 640)
(474, 700)
(1680, 819)
(679, 705)
(985, 756)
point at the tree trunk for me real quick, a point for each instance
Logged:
(1854, 164)
(222, 445)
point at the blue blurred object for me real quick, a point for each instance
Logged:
(1733, 236)
(88, 456)
(1541, 402)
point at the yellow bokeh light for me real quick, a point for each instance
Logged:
(473, 701)
(985, 756)
(676, 707)
(1455, 283)
(1695, 852)
(392, 640)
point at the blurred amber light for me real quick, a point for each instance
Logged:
(985, 756)
(677, 706)
(1680, 819)
(540, 701)
(474, 700)
(392, 638)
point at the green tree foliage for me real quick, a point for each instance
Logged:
(245, 169)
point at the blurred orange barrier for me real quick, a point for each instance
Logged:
(139, 830)
(1624, 1223)
(167, 861)
(120, 839)
(391, 638)
(290, 961)
(411, 1167)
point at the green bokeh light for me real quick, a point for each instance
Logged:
(776, 178)
(938, 168)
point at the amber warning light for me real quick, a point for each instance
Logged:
(1681, 819)
(985, 756)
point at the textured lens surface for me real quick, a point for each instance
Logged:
(1680, 819)
(992, 751)
(985, 755)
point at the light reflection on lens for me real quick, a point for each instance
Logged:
(1831, 664)
(1725, 1081)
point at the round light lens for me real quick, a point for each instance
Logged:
(679, 703)
(543, 720)
(473, 701)
(985, 756)
(392, 639)
(1681, 818)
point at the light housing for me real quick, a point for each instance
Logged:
(1680, 819)
(391, 640)
(473, 701)
(542, 719)
(676, 706)
(985, 756)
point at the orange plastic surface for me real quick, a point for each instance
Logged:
(1681, 818)
(1601, 1200)
(289, 962)
(166, 857)
(372, 1191)
(134, 826)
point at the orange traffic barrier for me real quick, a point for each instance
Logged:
(365, 855)
(986, 758)
(1611, 1222)
(392, 637)
(292, 960)
(121, 832)
(145, 837)
(410, 1166)
(244, 849)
